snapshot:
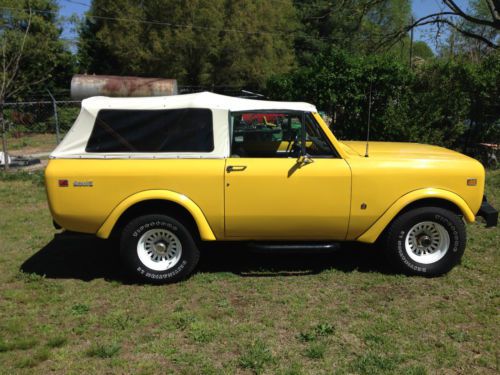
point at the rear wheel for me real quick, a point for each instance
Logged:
(158, 249)
(426, 241)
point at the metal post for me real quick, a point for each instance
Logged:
(369, 119)
(56, 118)
(411, 44)
(4, 138)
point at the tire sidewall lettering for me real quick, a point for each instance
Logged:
(163, 276)
(152, 225)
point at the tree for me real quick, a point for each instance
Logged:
(262, 47)
(352, 25)
(449, 103)
(31, 51)
(198, 42)
(481, 22)
(339, 83)
(162, 38)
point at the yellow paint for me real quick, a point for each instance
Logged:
(277, 198)
(115, 182)
(393, 170)
(203, 226)
(348, 198)
(376, 229)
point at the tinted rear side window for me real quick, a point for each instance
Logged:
(172, 130)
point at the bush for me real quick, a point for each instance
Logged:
(452, 104)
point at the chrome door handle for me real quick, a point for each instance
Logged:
(235, 168)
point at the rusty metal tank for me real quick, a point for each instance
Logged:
(84, 86)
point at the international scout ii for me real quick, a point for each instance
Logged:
(163, 174)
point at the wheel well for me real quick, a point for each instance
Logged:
(426, 202)
(432, 202)
(156, 206)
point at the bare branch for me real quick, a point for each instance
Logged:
(491, 8)
(33, 83)
(462, 31)
(494, 8)
(459, 12)
(19, 55)
(4, 70)
(445, 17)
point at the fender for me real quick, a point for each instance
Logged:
(206, 232)
(371, 235)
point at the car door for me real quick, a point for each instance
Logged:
(284, 180)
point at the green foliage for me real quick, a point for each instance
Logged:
(45, 61)
(201, 42)
(351, 25)
(422, 50)
(329, 53)
(453, 104)
(339, 83)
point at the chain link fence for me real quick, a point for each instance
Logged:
(34, 128)
(33, 123)
(40, 117)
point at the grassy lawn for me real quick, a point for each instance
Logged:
(31, 143)
(65, 307)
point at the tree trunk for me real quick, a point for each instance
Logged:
(4, 137)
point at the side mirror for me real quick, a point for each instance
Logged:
(303, 160)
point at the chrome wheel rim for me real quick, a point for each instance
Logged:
(427, 242)
(159, 249)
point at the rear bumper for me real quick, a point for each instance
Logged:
(489, 213)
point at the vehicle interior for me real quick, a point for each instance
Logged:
(276, 135)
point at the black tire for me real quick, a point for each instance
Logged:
(182, 265)
(402, 254)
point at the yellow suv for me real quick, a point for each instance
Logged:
(163, 174)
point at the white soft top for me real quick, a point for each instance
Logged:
(75, 141)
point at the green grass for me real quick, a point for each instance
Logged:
(32, 143)
(103, 350)
(65, 307)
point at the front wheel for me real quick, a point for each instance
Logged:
(427, 241)
(158, 249)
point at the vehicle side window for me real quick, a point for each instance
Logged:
(316, 142)
(276, 135)
(265, 135)
(176, 130)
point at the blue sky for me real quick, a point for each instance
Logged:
(420, 8)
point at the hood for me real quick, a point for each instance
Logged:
(400, 150)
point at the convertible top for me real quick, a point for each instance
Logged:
(74, 144)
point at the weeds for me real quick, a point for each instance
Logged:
(80, 309)
(256, 357)
(320, 330)
(103, 350)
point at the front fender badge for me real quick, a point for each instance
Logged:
(83, 184)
